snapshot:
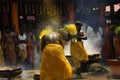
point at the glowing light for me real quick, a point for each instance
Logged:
(107, 9)
(21, 17)
(30, 17)
(116, 7)
(108, 21)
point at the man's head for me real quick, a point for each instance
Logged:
(51, 38)
(78, 25)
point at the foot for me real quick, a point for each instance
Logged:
(79, 76)
(76, 76)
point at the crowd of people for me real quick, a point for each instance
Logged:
(18, 49)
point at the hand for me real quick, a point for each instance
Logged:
(74, 36)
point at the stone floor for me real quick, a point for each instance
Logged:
(29, 75)
(104, 75)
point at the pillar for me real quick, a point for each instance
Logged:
(102, 13)
(5, 21)
(14, 14)
(112, 12)
(71, 12)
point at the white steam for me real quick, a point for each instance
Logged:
(93, 44)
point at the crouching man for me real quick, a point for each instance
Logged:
(54, 64)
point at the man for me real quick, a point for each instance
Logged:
(9, 47)
(2, 60)
(77, 50)
(54, 65)
(22, 47)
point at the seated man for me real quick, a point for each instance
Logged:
(54, 65)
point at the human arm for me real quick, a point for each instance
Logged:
(81, 35)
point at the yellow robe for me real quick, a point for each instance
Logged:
(54, 64)
(78, 53)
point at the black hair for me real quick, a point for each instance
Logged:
(78, 23)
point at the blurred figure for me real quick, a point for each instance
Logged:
(9, 46)
(2, 61)
(77, 50)
(116, 41)
(101, 31)
(22, 46)
(116, 38)
(108, 50)
(54, 65)
(30, 47)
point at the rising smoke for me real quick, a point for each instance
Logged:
(50, 20)
(93, 44)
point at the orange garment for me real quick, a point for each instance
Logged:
(78, 53)
(9, 53)
(2, 61)
(54, 65)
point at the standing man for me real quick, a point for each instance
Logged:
(2, 60)
(9, 51)
(22, 47)
(77, 50)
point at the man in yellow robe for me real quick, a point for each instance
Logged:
(54, 64)
(77, 50)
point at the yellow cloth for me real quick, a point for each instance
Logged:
(71, 28)
(54, 64)
(22, 54)
(78, 53)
